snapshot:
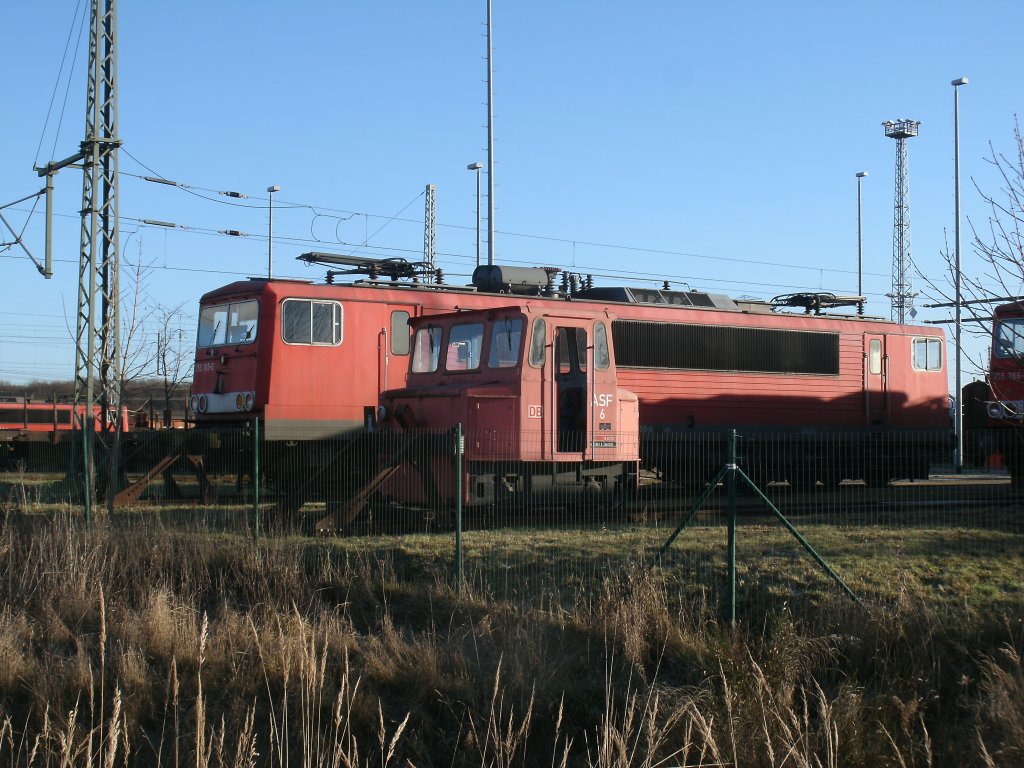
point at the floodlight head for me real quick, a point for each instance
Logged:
(273, 188)
(474, 166)
(861, 174)
(904, 128)
(959, 81)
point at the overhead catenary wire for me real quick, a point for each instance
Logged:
(56, 85)
(597, 272)
(365, 245)
(318, 209)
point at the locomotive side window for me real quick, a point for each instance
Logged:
(538, 342)
(305, 321)
(875, 357)
(927, 354)
(602, 359)
(426, 350)
(228, 324)
(1009, 339)
(400, 332)
(506, 338)
(464, 344)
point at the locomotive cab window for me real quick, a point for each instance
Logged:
(875, 357)
(602, 359)
(927, 354)
(464, 344)
(233, 323)
(426, 350)
(1009, 339)
(506, 338)
(400, 332)
(306, 321)
(538, 342)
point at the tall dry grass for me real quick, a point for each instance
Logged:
(174, 648)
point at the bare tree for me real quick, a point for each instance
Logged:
(997, 272)
(996, 277)
(1000, 245)
(173, 353)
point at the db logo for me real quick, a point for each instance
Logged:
(535, 412)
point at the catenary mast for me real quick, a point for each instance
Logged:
(97, 333)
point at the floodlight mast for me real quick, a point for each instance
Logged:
(270, 232)
(490, 142)
(860, 243)
(477, 167)
(958, 417)
(901, 296)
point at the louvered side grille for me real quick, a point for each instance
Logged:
(640, 344)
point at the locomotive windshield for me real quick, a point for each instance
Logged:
(426, 350)
(233, 323)
(1009, 339)
(506, 338)
(464, 343)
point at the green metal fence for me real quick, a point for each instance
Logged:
(747, 521)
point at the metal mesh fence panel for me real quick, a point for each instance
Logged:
(549, 519)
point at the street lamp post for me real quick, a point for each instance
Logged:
(477, 167)
(860, 241)
(958, 418)
(270, 235)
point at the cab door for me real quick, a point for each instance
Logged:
(571, 373)
(876, 380)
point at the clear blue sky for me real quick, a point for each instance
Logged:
(711, 143)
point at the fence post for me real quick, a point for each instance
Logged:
(730, 485)
(459, 447)
(256, 478)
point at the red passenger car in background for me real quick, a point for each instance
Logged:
(50, 421)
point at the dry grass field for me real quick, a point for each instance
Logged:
(170, 637)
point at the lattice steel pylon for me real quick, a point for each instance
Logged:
(430, 227)
(902, 298)
(97, 332)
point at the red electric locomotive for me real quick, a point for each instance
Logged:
(1003, 396)
(536, 393)
(312, 361)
